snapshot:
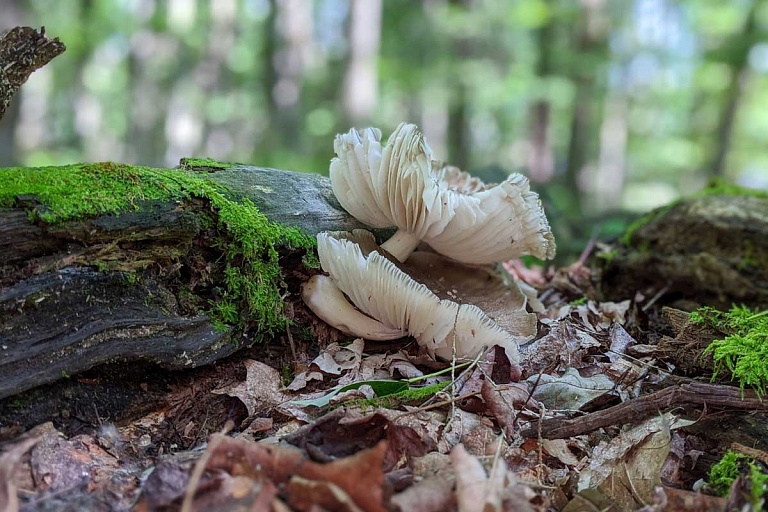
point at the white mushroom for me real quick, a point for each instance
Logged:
(397, 303)
(330, 305)
(400, 185)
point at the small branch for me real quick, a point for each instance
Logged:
(689, 394)
(23, 50)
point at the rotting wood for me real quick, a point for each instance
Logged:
(711, 249)
(696, 394)
(23, 50)
(61, 313)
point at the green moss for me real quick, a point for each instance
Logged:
(720, 187)
(649, 217)
(722, 475)
(748, 258)
(607, 256)
(248, 240)
(743, 351)
(204, 163)
(715, 187)
(578, 302)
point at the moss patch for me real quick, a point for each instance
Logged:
(715, 187)
(248, 240)
(743, 352)
(203, 163)
(722, 475)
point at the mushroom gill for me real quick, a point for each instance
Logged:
(397, 303)
(458, 216)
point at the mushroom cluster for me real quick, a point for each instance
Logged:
(374, 291)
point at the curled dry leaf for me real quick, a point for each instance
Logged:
(570, 391)
(360, 476)
(261, 392)
(8, 460)
(476, 492)
(564, 346)
(305, 494)
(332, 361)
(629, 466)
(505, 400)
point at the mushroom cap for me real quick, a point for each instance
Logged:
(400, 185)
(378, 288)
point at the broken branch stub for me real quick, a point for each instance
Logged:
(23, 50)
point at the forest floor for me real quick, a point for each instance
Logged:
(609, 414)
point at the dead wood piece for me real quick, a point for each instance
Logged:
(710, 396)
(687, 348)
(66, 305)
(97, 318)
(23, 50)
(711, 249)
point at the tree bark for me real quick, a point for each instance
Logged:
(115, 288)
(23, 50)
(711, 249)
(740, 70)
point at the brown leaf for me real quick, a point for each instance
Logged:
(360, 476)
(504, 401)
(476, 492)
(303, 494)
(433, 494)
(8, 460)
(262, 393)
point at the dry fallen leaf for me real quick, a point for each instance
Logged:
(262, 393)
(360, 475)
(628, 468)
(8, 460)
(570, 391)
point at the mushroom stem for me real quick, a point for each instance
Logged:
(401, 244)
(326, 301)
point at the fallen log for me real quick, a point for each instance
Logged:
(109, 263)
(711, 248)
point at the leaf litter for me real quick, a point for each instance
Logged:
(363, 427)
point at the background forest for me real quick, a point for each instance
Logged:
(610, 107)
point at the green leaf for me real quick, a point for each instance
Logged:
(380, 387)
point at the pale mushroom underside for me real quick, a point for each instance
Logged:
(400, 185)
(378, 288)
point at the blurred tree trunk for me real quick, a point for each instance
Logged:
(361, 82)
(541, 161)
(610, 175)
(740, 75)
(295, 26)
(458, 129)
(590, 42)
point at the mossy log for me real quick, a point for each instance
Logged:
(711, 249)
(107, 263)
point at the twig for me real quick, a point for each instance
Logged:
(290, 336)
(655, 298)
(711, 396)
(438, 404)
(453, 371)
(751, 452)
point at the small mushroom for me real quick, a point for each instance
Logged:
(457, 215)
(392, 304)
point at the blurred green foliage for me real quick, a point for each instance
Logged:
(609, 106)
